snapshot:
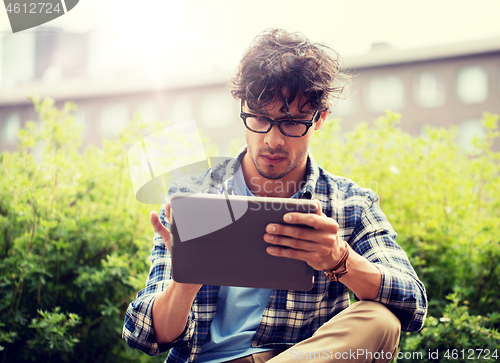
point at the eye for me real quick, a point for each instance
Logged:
(292, 123)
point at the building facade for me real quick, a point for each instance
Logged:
(444, 86)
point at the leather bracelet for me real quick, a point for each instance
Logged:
(333, 274)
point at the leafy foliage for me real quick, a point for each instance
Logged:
(457, 335)
(52, 332)
(73, 240)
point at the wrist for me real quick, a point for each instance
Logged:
(340, 269)
(364, 278)
(185, 289)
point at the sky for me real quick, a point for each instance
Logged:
(167, 37)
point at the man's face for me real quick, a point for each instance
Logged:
(274, 154)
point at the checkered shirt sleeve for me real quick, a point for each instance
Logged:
(138, 329)
(371, 235)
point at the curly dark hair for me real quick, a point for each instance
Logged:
(280, 65)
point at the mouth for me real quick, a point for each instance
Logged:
(272, 159)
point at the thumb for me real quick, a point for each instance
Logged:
(160, 228)
(318, 203)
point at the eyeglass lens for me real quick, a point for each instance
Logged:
(263, 125)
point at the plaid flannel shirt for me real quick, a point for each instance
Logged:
(290, 316)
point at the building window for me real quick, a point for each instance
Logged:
(18, 58)
(346, 106)
(217, 110)
(182, 109)
(467, 131)
(472, 84)
(148, 111)
(429, 89)
(112, 119)
(385, 93)
(10, 129)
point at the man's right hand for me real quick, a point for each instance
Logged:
(165, 234)
(160, 228)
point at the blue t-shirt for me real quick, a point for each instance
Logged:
(239, 310)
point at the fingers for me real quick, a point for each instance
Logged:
(318, 246)
(322, 229)
(291, 235)
(319, 222)
(296, 244)
(289, 253)
(299, 238)
(320, 258)
(160, 228)
(321, 253)
(167, 212)
(318, 203)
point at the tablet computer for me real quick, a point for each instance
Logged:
(218, 240)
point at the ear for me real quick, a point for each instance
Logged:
(321, 120)
(324, 114)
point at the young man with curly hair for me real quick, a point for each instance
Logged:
(285, 84)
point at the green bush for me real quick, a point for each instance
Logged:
(456, 336)
(73, 243)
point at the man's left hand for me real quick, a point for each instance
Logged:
(321, 247)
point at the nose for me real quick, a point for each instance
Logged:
(274, 138)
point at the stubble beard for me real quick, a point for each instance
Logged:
(273, 174)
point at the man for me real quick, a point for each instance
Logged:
(285, 84)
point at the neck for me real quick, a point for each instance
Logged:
(284, 187)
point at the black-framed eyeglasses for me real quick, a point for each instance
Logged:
(287, 126)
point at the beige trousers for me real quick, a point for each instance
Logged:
(365, 332)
